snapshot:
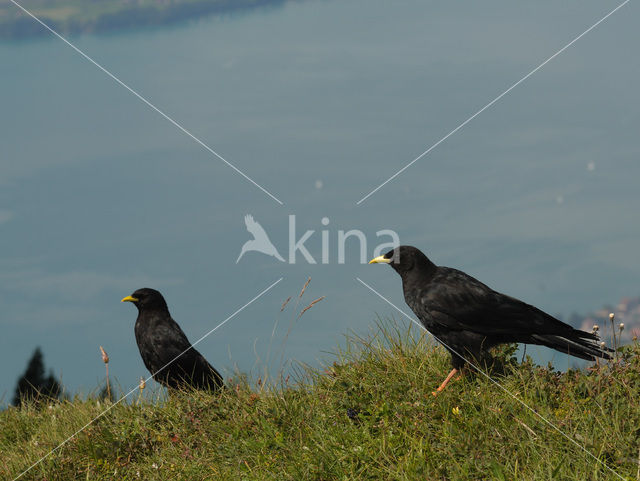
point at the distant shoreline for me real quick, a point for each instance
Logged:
(73, 17)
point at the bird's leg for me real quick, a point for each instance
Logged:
(453, 372)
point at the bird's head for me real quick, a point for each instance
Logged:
(404, 259)
(147, 298)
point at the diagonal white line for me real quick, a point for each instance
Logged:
(489, 377)
(492, 102)
(120, 82)
(146, 380)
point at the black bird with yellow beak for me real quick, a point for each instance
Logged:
(165, 349)
(469, 318)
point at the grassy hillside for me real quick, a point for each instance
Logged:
(370, 415)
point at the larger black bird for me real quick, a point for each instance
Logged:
(468, 317)
(165, 349)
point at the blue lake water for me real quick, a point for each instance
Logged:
(319, 102)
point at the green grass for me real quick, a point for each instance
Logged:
(301, 430)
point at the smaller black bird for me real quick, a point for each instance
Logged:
(165, 349)
(468, 317)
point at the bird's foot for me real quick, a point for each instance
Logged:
(453, 372)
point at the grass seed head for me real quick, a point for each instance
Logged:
(304, 288)
(311, 305)
(105, 356)
(284, 304)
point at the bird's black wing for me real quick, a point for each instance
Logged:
(457, 301)
(185, 363)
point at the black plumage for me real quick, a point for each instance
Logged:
(164, 347)
(468, 317)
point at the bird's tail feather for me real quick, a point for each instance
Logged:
(579, 344)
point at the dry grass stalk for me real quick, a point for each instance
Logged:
(310, 305)
(105, 359)
(284, 304)
(304, 288)
(521, 423)
(615, 339)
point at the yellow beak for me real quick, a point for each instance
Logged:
(380, 260)
(129, 299)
